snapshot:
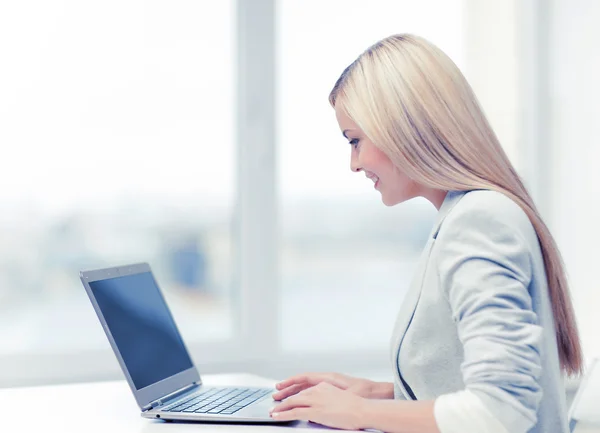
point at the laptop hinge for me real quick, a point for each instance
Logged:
(162, 400)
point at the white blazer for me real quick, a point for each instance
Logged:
(477, 316)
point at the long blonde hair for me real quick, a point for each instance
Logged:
(415, 105)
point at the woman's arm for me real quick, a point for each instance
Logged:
(485, 268)
(399, 416)
(461, 412)
(326, 404)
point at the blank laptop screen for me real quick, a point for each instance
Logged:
(142, 327)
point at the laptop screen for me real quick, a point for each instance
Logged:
(142, 327)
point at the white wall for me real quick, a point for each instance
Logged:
(575, 131)
(492, 67)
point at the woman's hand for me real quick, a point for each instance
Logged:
(325, 404)
(295, 384)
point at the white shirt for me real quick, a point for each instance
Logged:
(463, 412)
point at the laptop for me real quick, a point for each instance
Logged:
(154, 358)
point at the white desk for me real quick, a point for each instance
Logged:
(109, 407)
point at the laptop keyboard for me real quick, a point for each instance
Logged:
(218, 400)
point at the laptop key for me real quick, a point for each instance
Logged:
(230, 411)
(213, 411)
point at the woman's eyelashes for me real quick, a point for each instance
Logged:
(354, 142)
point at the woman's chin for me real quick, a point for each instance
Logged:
(393, 201)
(386, 201)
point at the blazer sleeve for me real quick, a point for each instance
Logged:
(485, 268)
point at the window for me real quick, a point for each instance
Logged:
(142, 131)
(118, 147)
(347, 260)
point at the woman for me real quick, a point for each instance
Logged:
(487, 324)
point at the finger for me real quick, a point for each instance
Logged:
(312, 379)
(294, 380)
(300, 413)
(298, 400)
(289, 391)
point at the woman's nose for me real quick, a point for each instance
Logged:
(354, 166)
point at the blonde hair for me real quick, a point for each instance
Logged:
(415, 105)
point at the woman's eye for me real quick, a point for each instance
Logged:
(354, 142)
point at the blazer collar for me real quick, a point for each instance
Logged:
(451, 199)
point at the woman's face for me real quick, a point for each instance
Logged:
(395, 187)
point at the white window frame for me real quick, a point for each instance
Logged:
(535, 79)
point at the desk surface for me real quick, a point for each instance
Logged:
(109, 407)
